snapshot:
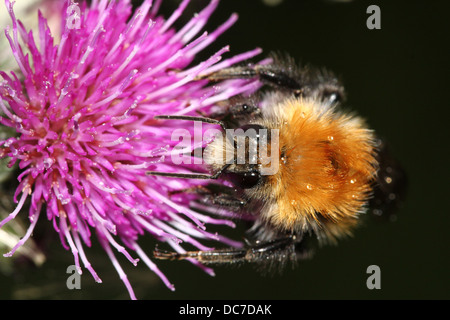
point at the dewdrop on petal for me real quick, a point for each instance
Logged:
(83, 106)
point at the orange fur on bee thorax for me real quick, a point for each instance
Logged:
(326, 165)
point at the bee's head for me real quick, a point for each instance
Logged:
(241, 148)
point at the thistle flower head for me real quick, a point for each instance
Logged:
(83, 106)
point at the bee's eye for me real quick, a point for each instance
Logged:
(245, 180)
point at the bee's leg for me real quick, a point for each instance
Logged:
(223, 197)
(227, 201)
(305, 83)
(281, 249)
(267, 74)
(207, 257)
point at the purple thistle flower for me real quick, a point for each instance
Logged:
(83, 107)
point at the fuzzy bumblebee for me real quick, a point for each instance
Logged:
(327, 163)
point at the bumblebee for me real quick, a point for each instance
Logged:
(330, 165)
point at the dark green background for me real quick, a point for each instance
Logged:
(397, 78)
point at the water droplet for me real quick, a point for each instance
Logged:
(63, 200)
(79, 270)
(293, 202)
(309, 186)
(352, 180)
(148, 212)
(8, 142)
(111, 228)
(330, 138)
(14, 151)
(48, 162)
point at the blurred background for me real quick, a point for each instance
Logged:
(395, 77)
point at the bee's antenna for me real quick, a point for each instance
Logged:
(189, 175)
(192, 118)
